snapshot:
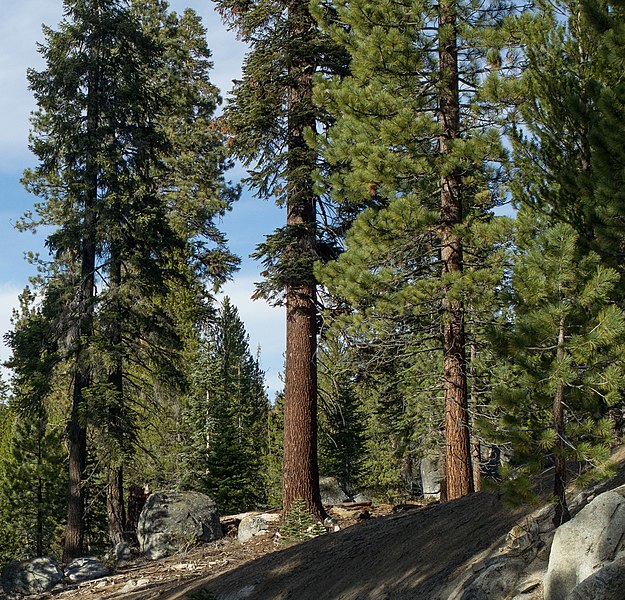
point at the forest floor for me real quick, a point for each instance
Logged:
(397, 553)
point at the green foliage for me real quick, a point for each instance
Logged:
(299, 524)
(394, 154)
(559, 289)
(226, 419)
(341, 417)
(130, 181)
(32, 494)
(275, 453)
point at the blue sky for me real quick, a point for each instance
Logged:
(246, 226)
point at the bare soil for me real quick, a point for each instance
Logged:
(382, 553)
(390, 553)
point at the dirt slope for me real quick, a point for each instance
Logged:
(399, 557)
(412, 555)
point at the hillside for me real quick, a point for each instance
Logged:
(418, 553)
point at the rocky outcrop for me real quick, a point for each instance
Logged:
(586, 544)
(253, 525)
(35, 576)
(583, 559)
(331, 491)
(172, 522)
(86, 569)
(608, 583)
(497, 580)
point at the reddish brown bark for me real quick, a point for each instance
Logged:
(457, 438)
(300, 468)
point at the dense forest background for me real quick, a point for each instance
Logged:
(421, 321)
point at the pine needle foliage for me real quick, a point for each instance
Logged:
(130, 180)
(563, 351)
(416, 257)
(299, 524)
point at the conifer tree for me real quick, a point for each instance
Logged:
(34, 485)
(566, 130)
(33, 461)
(412, 139)
(227, 415)
(564, 352)
(341, 416)
(270, 117)
(109, 124)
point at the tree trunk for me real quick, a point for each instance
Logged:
(77, 430)
(476, 446)
(561, 514)
(40, 436)
(457, 438)
(300, 468)
(115, 508)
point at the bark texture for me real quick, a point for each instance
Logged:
(457, 437)
(300, 468)
(561, 514)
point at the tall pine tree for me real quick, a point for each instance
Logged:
(107, 129)
(412, 139)
(270, 116)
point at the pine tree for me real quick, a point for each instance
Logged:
(414, 146)
(559, 127)
(33, 461)
(227, 416)
(341, 418)
(270, 117)
(34, 485)
(108, 128)
(564, 354)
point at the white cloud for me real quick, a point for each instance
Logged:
(264, 324)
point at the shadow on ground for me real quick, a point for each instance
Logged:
(412, 555)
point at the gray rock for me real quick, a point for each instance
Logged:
(431, 476)
(86, 569)
(608, 583)
(585, 544)
(171, 522)
(34, 576)
(496, 582)
(361, 498)
(133, 585)
(122, 551)
(255, 525)
(331, 491)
